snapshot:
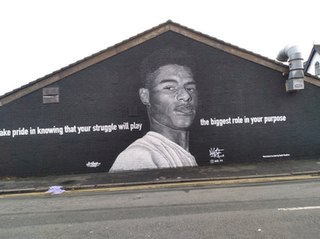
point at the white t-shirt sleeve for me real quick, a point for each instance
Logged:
(133, 158)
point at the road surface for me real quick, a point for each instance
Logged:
(276, 210)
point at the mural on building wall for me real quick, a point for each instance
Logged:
(170, 95)
(168, 102)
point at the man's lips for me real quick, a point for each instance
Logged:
(184, 109)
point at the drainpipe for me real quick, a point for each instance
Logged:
(295, 79)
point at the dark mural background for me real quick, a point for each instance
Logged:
(236, 98)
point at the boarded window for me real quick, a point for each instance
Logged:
(50, 95)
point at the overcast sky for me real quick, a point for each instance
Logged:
(42, 36)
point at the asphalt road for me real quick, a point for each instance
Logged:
(278, 210)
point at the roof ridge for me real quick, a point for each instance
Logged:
(137, 39)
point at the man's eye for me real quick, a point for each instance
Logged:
(171, 88)
(191, 89)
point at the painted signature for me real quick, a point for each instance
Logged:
(216, 153)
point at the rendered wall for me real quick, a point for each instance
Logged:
(244, 115)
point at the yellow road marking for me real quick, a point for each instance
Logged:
(160, 185)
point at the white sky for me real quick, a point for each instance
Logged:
(42, 36)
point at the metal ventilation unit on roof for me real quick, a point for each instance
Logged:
(295, 80)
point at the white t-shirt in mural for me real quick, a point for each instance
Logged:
(153, 151)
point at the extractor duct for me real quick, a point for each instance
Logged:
(295, 79)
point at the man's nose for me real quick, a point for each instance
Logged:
(183, 95)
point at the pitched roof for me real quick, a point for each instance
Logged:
(136, 40)
(315, 48)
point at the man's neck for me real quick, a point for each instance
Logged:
(180, 137)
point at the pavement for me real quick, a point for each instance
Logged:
(285, 169)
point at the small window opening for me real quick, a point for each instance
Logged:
(317, 68)
(50, 95)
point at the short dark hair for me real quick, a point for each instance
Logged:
(162, 57)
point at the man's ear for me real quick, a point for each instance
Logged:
(144, 96)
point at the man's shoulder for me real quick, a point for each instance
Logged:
(136, 156)
(137, 148)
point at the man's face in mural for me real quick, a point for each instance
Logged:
(171, 97)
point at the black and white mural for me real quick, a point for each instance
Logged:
(168, 102)
(170, 95)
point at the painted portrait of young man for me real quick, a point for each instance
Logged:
(170, 95)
